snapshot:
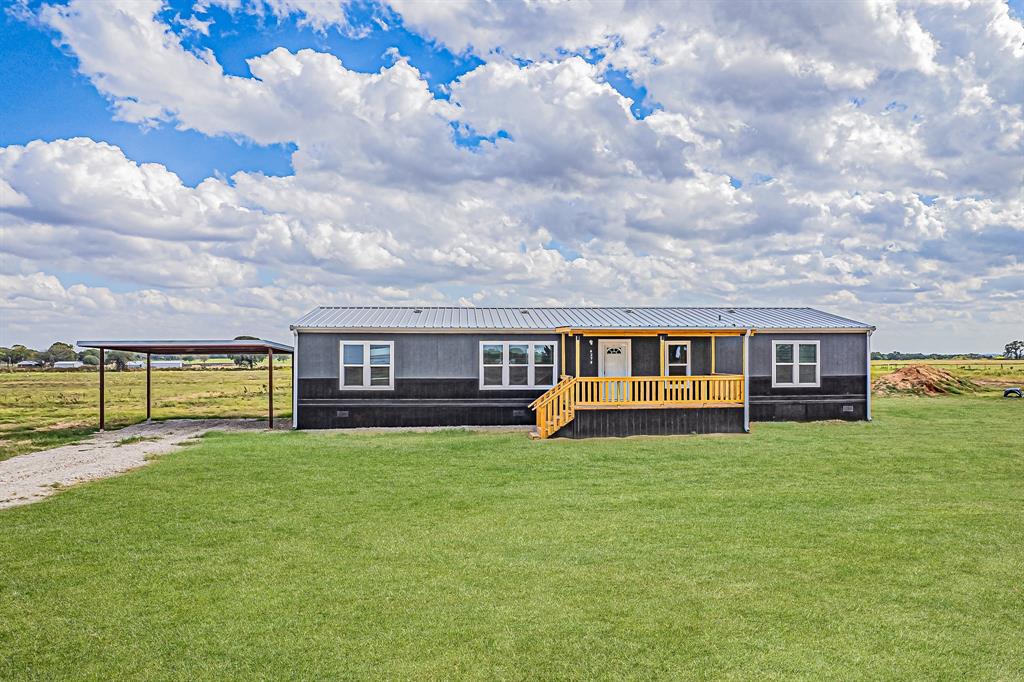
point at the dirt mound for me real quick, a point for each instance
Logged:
(923, 380)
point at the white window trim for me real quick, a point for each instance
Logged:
(796, 363)
(668, 355)
(505, 365)
(366, 365)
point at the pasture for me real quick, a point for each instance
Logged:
(890, 549)
(986, 372)
(45, 409)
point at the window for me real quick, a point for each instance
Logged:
(517, 364)
(367, 365)
(796, 363)
(677, 358)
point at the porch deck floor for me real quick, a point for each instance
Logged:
(655, 406)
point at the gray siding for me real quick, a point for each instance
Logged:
(417, 356)
(728, 355)
(841, 354)
(456, 356)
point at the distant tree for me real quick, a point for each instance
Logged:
(246, 360)
(90, 353)
(119, 358)
(19, 352)
(57, 352)
(90, 360)
(1014, 350)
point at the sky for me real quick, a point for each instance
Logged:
(211, 168)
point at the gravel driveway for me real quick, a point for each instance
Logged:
(31, 477)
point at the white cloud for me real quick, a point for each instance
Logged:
(838, 119)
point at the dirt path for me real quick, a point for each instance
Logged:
(31, 477)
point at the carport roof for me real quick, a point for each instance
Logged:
(189, 346)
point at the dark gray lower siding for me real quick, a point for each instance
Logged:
(460, 402)
(817, 409)
(413, 402)
(654, 422)
(334, 414)
(838, 397)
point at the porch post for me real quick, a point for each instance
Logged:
(149, 391)
(102, 389)
(661, 355)
(562, 368)
(746, 382)
(577, 355)
(712, 353)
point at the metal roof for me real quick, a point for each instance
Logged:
(191, 347)
(547, 319)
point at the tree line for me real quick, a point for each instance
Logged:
(62, 352)
(1014, 350)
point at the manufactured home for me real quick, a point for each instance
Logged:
(578, 372)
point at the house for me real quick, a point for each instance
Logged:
(68, 364)
(135, 364)
(27, 364)
(578, 372)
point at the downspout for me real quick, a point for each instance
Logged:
(295, 379)
(746, 382)
(868, 394)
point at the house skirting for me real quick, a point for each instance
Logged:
(653, 422)
(340, 414)
(849, 408)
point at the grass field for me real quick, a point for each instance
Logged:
(985, 371)
(46, 409)
(890, 550)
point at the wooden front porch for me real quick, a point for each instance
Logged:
(559, 405)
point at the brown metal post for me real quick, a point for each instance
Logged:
(102, 389)
(149, 389)
(270, 387)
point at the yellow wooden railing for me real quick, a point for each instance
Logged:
(558, 406)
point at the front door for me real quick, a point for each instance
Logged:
(614, 361)
(614, 358)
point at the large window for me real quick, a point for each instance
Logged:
(367, 365)
(796, 363)
(677, 358)
(517, 364)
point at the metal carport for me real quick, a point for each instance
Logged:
(189, 347)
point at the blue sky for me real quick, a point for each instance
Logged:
(70, 106)
(509, 154)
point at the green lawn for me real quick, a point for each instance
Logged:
(891, 550)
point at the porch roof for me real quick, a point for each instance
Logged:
(455, 318)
